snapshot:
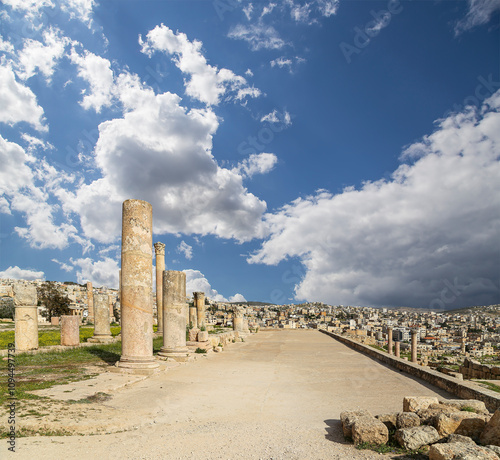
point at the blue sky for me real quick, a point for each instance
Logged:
(337, 151)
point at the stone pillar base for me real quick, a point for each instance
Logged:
(137, 363)
(101, 339)
(179, 355)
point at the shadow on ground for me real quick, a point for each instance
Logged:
(108, 357)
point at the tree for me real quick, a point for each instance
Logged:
(55, 301)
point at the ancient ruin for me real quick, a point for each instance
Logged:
(70, 330)
(199, 302)
(136, 286)
(160, 267)
(90, 302)
(26, 317)
(102, 330)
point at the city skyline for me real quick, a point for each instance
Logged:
(334, 151)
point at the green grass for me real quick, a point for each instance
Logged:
(200, 350)
(491, 386)
(468, 409)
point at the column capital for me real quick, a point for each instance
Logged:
(159, 248)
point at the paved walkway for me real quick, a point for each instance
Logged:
(276, 396)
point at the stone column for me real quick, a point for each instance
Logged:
(26, 316)
(136, 286)
(160, 268)
(397, 346)
(90, 302)
(174, 316)
(462, 346)
(102, 330)
(389, 340)
(238, 320)
(413, 346)
(193, 316)
(199, 301)
(70, 330)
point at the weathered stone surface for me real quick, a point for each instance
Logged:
(460, 451)
(26, 324)
(24, 294)
(199, 301)
(416, 403)
(495, 449)
(369, 430)
(416, 437)
(136, 286)
(407, 420)
(203, 336)
(464, 423)
(102, 330)
(193, 334)
(491, 432)
(349, 417)
(428, 416)
(217, 349)
(478, 406)
(160, 267)
(70, 330)
(460, 438)
(389, 420)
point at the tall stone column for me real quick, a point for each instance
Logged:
(70, 330)
(413, 346)
(136, 280)
(397, 346)
(90, 301)
(193, 315)
(199, 301)
(160, 268)
(26, 317)
(174, 316)
(102, 330)
(389, 340)
(238, 325)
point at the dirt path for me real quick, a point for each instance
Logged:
(277, 396)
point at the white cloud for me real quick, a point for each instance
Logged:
(196, 282)
(64, 266)
(161, 152)
(207, 83)
(276, 117)
(259, 36)
(97, 72)
(17, 273)
(36, 55)
(185, 249)
(248, 11)
(237, 298)
(480, 12)
(100, 272)
(268, 9)
(328, 7)
(18, 102)
(79, 9)
(257, 163)
(405, 240)
(281, 62)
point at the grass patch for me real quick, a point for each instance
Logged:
(468, 409)
(378, 348)
(489, 385)
(200, 350)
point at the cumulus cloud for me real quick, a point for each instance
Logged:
(18, 102)
(161, 152)
(406, 240)
(185, 249)
(257, 163)
(276, 117)
(207, 83)
(479, 12)
(100, 272)
(196, 282)
(16, 273)
(237, 298)
(64, 266)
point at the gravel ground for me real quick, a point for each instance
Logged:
(278, 395)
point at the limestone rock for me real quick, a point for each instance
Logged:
(495, 449)
(464, 423)
(193, 334)
(349, 417)
(459, 450)
(416, 403)
(24, 294)
(460, 438)
(369, 430)
(491, 433)
(389, 420)
(202, 336)
(428, 416)
(407, 420)
(416, 437)
(478, 406)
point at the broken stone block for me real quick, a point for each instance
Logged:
(369, 430)
(416, 403)
(24, 294)
(349, 417)
(491, 432)
(460, 438)
(459, 450)
(202, 336)
(478, 406)
(464, 423)
(428, 416)
(389, 420)
(407, 420)
(193, 334)
(415, 437)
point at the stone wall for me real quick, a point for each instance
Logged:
(472, 369)
(454, 386)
